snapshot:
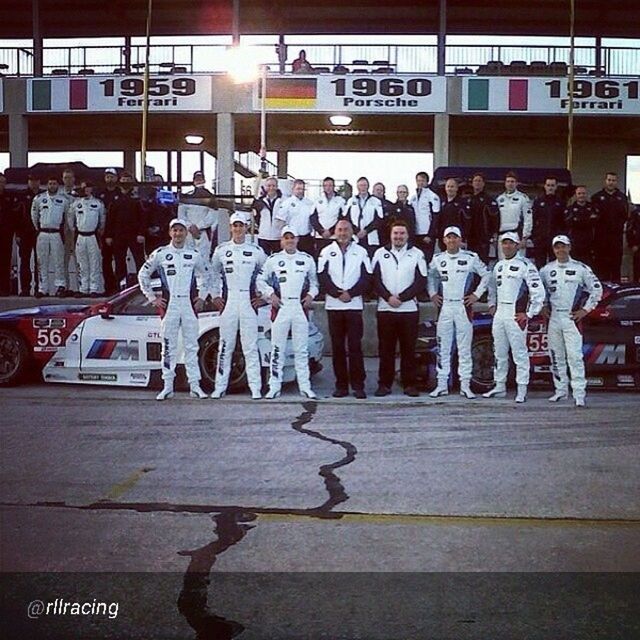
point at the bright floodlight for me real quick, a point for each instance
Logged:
(242, 64)
(340, 121)
(193, 138)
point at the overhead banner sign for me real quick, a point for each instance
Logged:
(119, 93)
(354, 93)
(596, 96)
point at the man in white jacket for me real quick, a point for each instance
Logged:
(515, 213)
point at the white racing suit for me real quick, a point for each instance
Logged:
(87, 218)
(291, 276)
(515, 215)
(235, 268)
(570, 286)
(178, 270)
(452, 275)
(206, 219)
(515, 286)
(49, 216)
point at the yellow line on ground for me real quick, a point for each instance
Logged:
(119, 489)
(452, 520)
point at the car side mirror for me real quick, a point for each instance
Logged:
(104, 310)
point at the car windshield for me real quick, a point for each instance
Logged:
(133, 304)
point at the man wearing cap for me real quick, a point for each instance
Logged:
(289, 281)
(451, 288)
(572, 292)
(87, 220)
(49, 212)
(516, 295)
(515, 212)
(110, 193)
(185, 279)
(126, 227)
(399, 275)
(234, 268)
(344, 273)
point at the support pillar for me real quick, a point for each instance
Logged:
(130, 162)
(37, 38)
(283, 162)
(441, 140)
(18, 140)
(442, 37)
(225, 147)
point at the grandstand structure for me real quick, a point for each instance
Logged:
(472, 105)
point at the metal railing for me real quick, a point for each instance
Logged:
(205, 58)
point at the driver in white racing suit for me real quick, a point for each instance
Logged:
(289, 281)
(511, 280)
(235, 266)
(572, 292)
(451, 279)
(185, 278)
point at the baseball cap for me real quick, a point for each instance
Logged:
(510, 235)
(562, 239)
(287, 229)
(454, 230)
(178, 221)
(237, 217)
(111, 170)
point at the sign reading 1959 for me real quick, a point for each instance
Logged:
(594, 94)
(381, 92)
(161, 91)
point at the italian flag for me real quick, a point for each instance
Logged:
(479, 94)
(58, 94)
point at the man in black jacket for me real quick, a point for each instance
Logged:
(548, 221)
(481, 218)
(614, 211)
(125, 228)
(108, 195)
(454, 212)
(27, 237)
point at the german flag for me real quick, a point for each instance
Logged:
(291, 93)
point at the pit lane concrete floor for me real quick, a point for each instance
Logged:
(109, 480)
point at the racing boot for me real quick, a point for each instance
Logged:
(499, 391)
(558, 395)
(255, 394)
(167, 392)
(308, 392)
(580, 401)
(196, 391)
(521, 393)
(440, 390)
(217, 394)
(465, 390)
(274, 392)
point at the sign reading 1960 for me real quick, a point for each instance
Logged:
(355, 93)
(551, 95)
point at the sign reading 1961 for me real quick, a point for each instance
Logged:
(594, 94)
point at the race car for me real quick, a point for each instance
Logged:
(118, 343)
(611, 347)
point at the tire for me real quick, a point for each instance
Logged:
(14, 358)
(208, 360)
(483, 361)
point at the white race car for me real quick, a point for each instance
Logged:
(118, 343)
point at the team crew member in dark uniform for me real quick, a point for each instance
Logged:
(158, 215)
(548, 221)
(364, 211)
(614, 211)
(633, 240)
(401, 210)
(126, 227)
(110, 193)
(8, 228)
(581, 218)
(27, 237)
(481, 219)
(399, 274)
(454, 211)
(344, 272)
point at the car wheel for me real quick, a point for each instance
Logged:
(14, 357)
(483, 361)
(208, 360)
